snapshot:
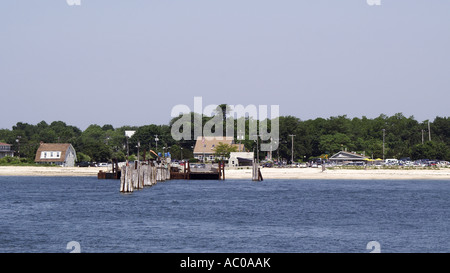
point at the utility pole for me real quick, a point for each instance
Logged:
(271, 148)
(128, 150)
(384, 133)
(138, 146)
(292, 148)
(422, 136)
(128, 134)
(429, 131)
(240, 137)
(257, 148)
(18, 143)
(203, 148)
(277, 141)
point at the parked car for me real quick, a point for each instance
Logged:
(443, 163)
(391, 161)
(85, 164)
(355, 164)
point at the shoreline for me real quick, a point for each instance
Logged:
(267, 173)
(345, 174)
(49, 171)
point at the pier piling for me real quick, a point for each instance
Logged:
(142, 174)
(256, 172)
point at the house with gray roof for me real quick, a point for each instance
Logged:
(344, 157)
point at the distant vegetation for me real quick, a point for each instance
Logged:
(15, 161)
(313, 138)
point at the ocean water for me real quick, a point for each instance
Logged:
(44, 214)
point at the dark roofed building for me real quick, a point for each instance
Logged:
(344, 157)
(62, 154)
(5, 150)
(241, 159)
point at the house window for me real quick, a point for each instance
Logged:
(50, 154)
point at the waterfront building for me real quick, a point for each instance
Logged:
(241, 159)
(62, 154)
(344, 157)
(204, 149)
(5, 150)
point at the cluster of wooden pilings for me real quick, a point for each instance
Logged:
(139, 175)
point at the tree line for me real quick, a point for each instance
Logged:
(403, 137)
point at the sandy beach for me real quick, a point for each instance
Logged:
(49, 171)
(316, 173)
(267, 173)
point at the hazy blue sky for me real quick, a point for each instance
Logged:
(129, 62)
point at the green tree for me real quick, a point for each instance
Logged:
(83, 157)
(330, 144)
(431, 150)
(92, 142)
(223, 150)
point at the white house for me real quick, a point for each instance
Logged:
(62, 154)
(240, 159)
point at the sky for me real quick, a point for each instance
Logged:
(131, 62)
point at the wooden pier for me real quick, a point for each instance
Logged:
(138, 175)
(205, 173)
(114, 174)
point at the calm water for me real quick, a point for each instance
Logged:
(43, 214)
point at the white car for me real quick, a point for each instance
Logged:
(391, 161)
